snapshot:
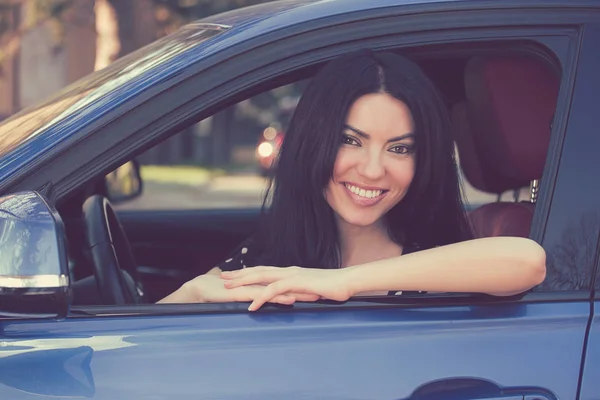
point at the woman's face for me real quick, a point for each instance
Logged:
(375, 164)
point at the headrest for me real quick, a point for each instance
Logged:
(475, 172)
(510, 105)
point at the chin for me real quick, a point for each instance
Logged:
(360, 219)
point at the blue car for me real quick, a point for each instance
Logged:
(79, 275)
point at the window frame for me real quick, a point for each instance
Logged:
(585, 89)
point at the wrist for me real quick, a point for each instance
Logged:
(353, 280)
(192, 292)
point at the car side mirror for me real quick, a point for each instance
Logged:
(34, 275)
(124, 183)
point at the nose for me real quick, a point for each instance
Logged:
(371, 166)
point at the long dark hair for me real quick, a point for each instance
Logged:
(299, 226)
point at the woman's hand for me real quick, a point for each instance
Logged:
(290, 281)
(211, 288)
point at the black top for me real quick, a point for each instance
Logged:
(244, 252)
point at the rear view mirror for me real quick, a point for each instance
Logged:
(34, 277)
(124, 183)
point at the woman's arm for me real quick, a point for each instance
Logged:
(210, 288)
(187, 293)
(500, 266)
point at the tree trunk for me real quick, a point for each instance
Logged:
(125, 17)
(108, 43)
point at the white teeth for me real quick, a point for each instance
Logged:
(369, 194)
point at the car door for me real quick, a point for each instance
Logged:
(591, 362)
(437, 347)
(586, 110)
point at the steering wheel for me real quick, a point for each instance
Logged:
(112, 259)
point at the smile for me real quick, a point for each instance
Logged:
(364, 197)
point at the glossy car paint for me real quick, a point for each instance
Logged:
(34, 273)
(23, 215)
(327, 354)
(584, 118)
(591, 372)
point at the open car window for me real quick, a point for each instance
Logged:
(213, 175)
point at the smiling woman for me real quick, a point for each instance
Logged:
(365, 176)
(373, 171)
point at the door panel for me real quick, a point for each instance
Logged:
(590, 386)
(338, 353)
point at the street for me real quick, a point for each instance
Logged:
(229, 191)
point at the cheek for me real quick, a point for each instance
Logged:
(342, 164)
(403, 173)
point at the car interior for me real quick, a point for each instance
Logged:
(501, 99)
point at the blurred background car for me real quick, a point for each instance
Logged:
(267, 149)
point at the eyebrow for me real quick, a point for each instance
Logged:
(367, 136)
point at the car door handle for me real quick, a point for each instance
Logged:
(517, 397)
(503, 398)
(461, 388)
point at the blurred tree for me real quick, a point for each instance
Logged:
(39, 12)
(169, 15)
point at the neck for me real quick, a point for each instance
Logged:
(362, 244)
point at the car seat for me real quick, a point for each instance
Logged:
(502, 132)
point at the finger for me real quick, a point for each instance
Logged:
(258, 277)
(284, 299)
(291, 298)
(244, 271)
(250, 293)
(305, 296)
(254, 270)
(271, 291)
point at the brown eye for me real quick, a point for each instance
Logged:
(402, 149)
(349, 140)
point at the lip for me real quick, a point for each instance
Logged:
(363, 201)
